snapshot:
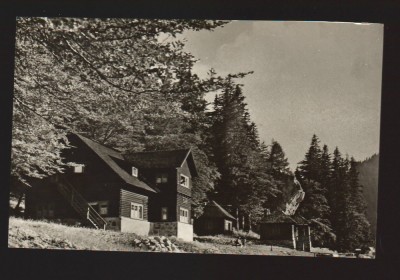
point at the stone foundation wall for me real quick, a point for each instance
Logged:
(183, 231)
(164, 228)
(135, 226)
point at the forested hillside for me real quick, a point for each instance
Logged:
(368, 176)
(334, 199)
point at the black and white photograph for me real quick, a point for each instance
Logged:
(241, 137)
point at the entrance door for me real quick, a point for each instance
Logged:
(303, 242)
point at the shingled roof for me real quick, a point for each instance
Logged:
(279, 217)
(109, 155)
(163, 159)
(214, 210)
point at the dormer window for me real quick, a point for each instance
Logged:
(184, 181)
(134, 171)
(79, 168)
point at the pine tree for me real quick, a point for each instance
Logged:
(312, 174)
(277, 160)
(337, 196)
(311, 165)
(325, 169)
(348, 205)
(277, 164)
(368, 178)
(357, 226)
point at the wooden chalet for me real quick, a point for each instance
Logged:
(286, 230)
(145, 193)
(214, 220)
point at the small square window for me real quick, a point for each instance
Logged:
(103, 208)
(79, 168)
(162, 178)
(134, 171)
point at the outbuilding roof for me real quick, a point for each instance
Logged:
(214, 210)
(280, 217)
(109, 155)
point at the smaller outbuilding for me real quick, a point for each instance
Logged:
(214, 220)
(292, 231)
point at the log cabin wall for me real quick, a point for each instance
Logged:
(129, 196)
(276, 231)
(157, 202)
(185, 202)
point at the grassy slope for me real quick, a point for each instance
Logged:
(41, 234)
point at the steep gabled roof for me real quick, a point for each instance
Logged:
(214, 210)
(163, 159)
(279, 217)
(108, 155)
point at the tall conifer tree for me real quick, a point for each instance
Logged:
(357, 230)
(311, 165)
(315, 206)
(244, 184)
(277, 159)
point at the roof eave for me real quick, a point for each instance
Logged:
(149, 189)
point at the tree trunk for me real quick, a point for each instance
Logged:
(249, 223)
(237, 218)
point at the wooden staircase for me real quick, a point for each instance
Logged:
(79, 203)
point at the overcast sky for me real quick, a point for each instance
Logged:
(309, 77)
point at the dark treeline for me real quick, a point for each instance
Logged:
(368, 176)
(117, 82)
(334, 199)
